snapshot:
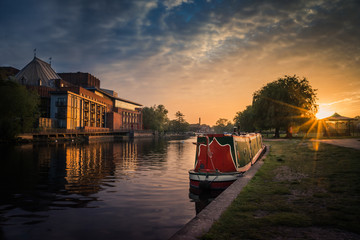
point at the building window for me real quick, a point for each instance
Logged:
(61, 101)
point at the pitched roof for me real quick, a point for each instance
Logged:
(37, 73)
(338, 117)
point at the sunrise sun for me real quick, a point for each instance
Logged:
(324, 112)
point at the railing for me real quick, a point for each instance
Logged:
(84, 130)
(74, 131)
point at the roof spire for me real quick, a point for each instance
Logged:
(50, 58)
(34, 52)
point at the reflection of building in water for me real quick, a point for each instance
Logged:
(129, 155)
(125, 155)
(86, 166)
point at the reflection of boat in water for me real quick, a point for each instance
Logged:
(222, 158)
(203, 199)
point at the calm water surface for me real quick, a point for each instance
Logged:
(110, 190)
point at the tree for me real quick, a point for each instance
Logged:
(18, 107)
(245, 120)
(179, 125)
(155, 118)
(283, 103)
(223, 125)
(179, 116)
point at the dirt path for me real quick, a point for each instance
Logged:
(350, 142)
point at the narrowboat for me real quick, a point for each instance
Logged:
(222, 158)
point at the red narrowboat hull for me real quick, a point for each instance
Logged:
(222, 158)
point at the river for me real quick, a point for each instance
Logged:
(108, 190)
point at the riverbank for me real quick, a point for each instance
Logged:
(304, 190)
(88, 136)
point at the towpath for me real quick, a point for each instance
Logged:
(348, 142)
(342, 142)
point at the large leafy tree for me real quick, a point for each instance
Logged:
(245, 120)
(18, 107)
(155, 118)
(223, 125)
(283, 103)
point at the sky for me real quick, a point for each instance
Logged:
(204, 58)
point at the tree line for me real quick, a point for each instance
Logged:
(280, 105)
(155, 118)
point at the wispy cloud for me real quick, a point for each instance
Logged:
(156, 47)
(340, 101)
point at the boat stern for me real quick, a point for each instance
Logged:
(212, 180)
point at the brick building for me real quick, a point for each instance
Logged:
(125, 114)
(81, 79)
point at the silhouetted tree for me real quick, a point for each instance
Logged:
(244, 120)
(179, 116)
(179, 125)
(223, 125)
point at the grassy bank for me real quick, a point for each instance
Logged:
(304, 190)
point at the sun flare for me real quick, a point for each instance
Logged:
(323, 113)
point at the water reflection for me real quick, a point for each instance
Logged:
(138, 189)
(86, 167)
(203, 198)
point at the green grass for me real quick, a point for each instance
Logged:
(298, 187)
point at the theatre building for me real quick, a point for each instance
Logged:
(76, 101)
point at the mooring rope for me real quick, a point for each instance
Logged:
(208, 152)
